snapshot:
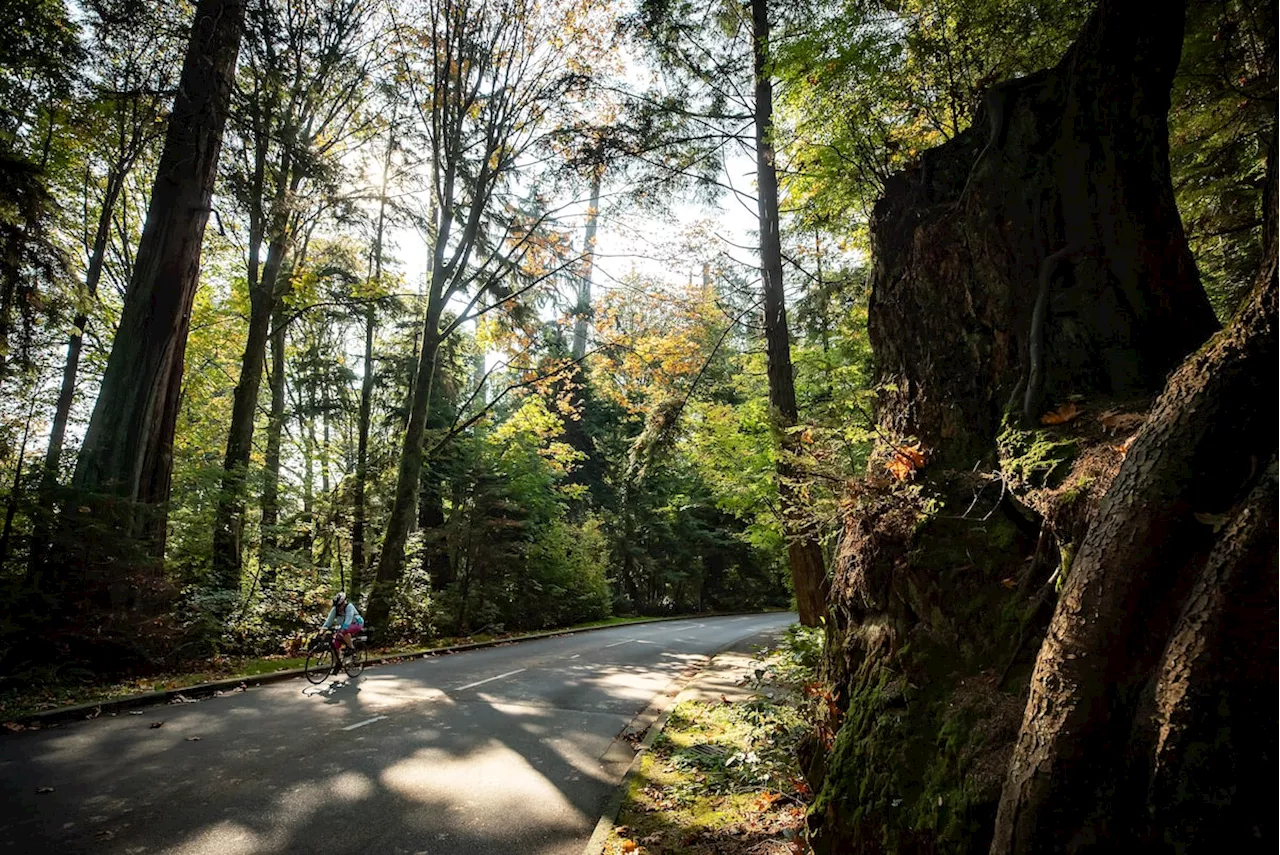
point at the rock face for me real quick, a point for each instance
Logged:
(1031, 271)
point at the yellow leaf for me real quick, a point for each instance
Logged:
(630, 846)
(1067, 412)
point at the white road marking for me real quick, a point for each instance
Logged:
(575, 656)
(363, 723)
(489, 680)
(616, 643)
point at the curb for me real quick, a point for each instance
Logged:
(609, 816)
(93, 709)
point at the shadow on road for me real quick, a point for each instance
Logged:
(507, 766)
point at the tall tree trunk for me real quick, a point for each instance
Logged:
(15, 489)
(271, 464)
(70, 369)
(93, 276)
(808, 568)
(228, 526)
(408, 477)
(582, 310)
(1199, 454)
(366, 392)
(124, 466)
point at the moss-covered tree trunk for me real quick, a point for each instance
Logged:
(1034, 261)
(1146, 709)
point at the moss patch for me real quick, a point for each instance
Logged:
(1036, 458)
(723, 777)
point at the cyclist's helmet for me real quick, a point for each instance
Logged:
(340, 601)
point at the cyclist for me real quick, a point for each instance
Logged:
(345, 619)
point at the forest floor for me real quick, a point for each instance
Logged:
(25, 695)
(722, 776)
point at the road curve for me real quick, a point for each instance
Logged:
(507, 749)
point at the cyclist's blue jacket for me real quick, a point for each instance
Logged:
(349, 617)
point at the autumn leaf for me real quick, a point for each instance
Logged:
(1118, 422)
(765, 800)
(630, 846)
(906, 460)
(156, 724)
(1123, 448)
(1215, 521)
(1067, 412)
(1009, 583)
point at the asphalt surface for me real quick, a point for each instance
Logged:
(508, 749)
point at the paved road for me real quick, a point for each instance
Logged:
(508, 749)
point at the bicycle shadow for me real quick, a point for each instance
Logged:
(338, 690)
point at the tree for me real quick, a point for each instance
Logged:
(1167, 621)
(307, 71)
(39, 44)
(124, 463)
(133, 69)
(722, 77)
(488, 82)
(1028, 271)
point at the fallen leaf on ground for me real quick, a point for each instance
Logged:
(156, 724)
(13, 726)
(193, 739)
(1123, 448)
(630, 846)
(766, 799)
(44, 789)
(1217, 521)
(1009, 583)
(1118, 422)
(656, 837)
(1067, 412)
(135, 712)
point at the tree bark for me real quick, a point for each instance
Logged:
(1203, 443)
(366, 394)
(808, 568)
(408, 476)
(271, 463)
(228, 526)
(127, 451)
(582, 310)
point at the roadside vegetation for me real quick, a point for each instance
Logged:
(723, 775)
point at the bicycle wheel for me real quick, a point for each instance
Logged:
(319, 664)
(355, 663)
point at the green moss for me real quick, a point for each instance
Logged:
(1041, 458)
(897, 767)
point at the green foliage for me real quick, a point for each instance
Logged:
(867, 87)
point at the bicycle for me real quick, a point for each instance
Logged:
(326, 656)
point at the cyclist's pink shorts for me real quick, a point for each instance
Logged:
(356, 628)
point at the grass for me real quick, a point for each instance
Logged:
(20, 698)
(722, 777)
